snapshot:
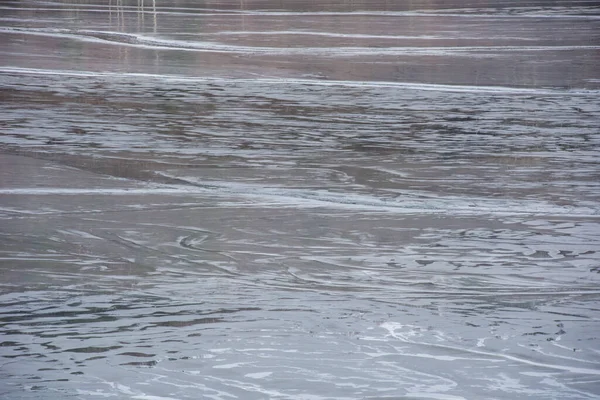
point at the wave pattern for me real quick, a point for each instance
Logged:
(325, 201)
(532, 45)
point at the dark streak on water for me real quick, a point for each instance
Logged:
(300, 200)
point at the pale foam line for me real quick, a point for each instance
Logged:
(392, 326)
(349, 200)
(99, 191)
(269, 196)
(57, 258)
(331, 34)
(128, 10)
(146, 42)
(308, 82)
(432, 396)
(278, 13)
(364, 36)
(36, 20)
(416, 13)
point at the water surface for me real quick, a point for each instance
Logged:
(299, 200)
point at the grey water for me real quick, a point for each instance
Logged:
(261, 199)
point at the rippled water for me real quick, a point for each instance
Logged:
(299, 200)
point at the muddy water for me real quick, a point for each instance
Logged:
(299, 200)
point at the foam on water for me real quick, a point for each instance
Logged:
(299, 81)
(146, 42)
(322, 201)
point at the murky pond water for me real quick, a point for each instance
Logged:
(299, 199)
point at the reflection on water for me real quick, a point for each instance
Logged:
(143, 10)
(533, 45)
(257, 199)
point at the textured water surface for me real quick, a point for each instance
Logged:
(299, 200)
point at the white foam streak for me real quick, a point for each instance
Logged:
(142, 41)
(585, 12)
(311, 82)
(456, 35)
(392, 327)
(99, 192)
(323, 198)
